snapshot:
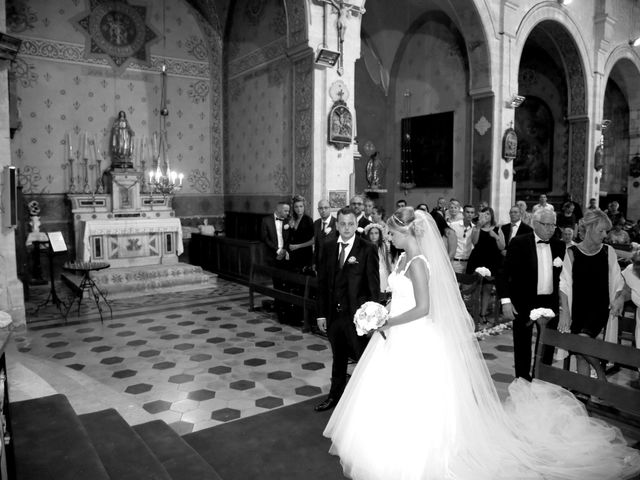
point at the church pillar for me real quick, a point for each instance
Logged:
(633, 182)
(482, 134)
(11, 292)
(580, 166)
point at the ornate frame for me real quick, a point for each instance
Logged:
(509, 144)
(340, 125)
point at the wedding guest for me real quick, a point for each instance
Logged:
(617, 235)
(379, 236)
(589, 283)
(368, 209)
(634, 232)
(441, 207)
(567, 237)
(300, 236)
(357, 205)
(488, 243)
(542, 203)
(274, 234)
(378, 214)
(449, 237)
(530, 280)
(580, 231)
(454, 212)
(515, 226)
(631, 291)
(464, 245)
(423, 207)
(401, 203)
(593, 204)
(525, 216)
(577, 209)
(613, 212)
(567, 217)
(323, 227)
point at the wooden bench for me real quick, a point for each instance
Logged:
(471, 285)
(261, 281)
(616, 402)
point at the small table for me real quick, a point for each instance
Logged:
(87, 284)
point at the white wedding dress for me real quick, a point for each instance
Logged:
(413, 410)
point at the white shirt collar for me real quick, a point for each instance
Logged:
(348, 242)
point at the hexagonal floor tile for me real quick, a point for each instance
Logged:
(215, 340)
(92, 339)
(269, 402)
(308, 391)
(255, 362)
(173, 315)
(124, 373)
(51, 334)
(225, 414)
(200, 357)
(186, 323)
(157, 406)
(84, 330)
(287, 354)
(169, 336)
(316, 347)
(76, 366)
(115, 325)
(273, 329)
(489, 356)
(157, 328)
(57, 344)
(163, 365)
(63, 355)
(502, 377)
(136, 343)
(181, 378)
(182, 427)
(242, 385)
(213, 319)
(184, 346)
(138, 388)
(233, 350)
(264, 344)
(201, 395)
(223, 308)
(504, 348)
(200, 331)
(279, 375)
(101, 348)
(219, 370)
(200, 312)
(312, 366)
(111, 360)
(293, 338)
(149, 353)
(145, 320)
(246, 334)
(228, 326)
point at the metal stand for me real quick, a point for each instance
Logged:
(88, 285)
(53, 296)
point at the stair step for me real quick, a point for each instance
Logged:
(124, 454)
(50, 442)
(177, 457)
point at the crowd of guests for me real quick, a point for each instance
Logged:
(589, 285)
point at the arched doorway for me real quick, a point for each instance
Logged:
(552, 121)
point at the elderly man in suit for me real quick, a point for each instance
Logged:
(348, 276)
(323, 227)
(515, 226)
(531, 278)
(274, 234)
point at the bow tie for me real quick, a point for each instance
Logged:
(544, 241)
(279, 219)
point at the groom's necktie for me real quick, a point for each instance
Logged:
(343, 248)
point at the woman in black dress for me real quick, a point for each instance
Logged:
(488, 243)
(590, 282)
(300, 236)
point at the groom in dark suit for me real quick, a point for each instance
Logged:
(530, 280)
(348, 276)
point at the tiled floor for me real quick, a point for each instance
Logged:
(193, 359)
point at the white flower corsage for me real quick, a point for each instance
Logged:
(484, 271)
(538, 313)
(359, 229)
(557, 262)
(352, 260)
(327, 230)
(285, 226)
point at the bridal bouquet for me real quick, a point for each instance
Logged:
(484, 271)
(537, 313)
(369, 317)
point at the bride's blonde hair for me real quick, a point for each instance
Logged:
(407, 220)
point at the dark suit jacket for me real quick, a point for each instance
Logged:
(523, 229)
(520, 274)
(363, 222)
(269, 236)
(319, 237)
(363, 277)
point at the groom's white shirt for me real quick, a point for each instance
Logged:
(348, 248)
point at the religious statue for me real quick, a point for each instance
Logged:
(374, 171)
(121, 142)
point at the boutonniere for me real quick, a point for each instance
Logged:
(359, 229)
(352, 260)
(327, 230)
(286, 226)
(557, 262)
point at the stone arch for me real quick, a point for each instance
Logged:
(624, 58)
(572, 52)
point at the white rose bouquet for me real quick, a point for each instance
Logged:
(369, 317)
(537, 313)
(484, 271)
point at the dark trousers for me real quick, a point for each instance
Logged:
(345, 343)
(523, 335)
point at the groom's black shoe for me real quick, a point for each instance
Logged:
(327, 404)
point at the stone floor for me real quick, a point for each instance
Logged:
(194, 359)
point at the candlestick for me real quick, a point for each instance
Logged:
(72, 184)
(100, 188)
(86, 188)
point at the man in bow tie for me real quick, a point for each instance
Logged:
(348, 276)
(530, 280)
(274, 234)
(323, 227)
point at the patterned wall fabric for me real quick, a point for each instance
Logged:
(62, 92)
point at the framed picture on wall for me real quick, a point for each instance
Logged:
(337, 198)
(533, 165)
(430, 149)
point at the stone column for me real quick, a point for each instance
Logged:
(11, 292)
(633, 183)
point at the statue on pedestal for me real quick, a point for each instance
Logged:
(121, 142)
(374, 171)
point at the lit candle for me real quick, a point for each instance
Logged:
(69, 147)
(150, 176)
(180, 177)
(86, 145)
(174, 176)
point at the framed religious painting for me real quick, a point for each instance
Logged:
(509, 145)
(533, 165)
(340, 125)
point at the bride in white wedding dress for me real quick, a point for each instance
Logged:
(421, 403)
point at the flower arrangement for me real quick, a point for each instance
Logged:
(483, 271)
(538, 313)
(369, 317)
(496, 330)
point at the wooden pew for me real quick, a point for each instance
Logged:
(261, 281)
(617, 403)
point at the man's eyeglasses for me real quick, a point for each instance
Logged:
(547, 225)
